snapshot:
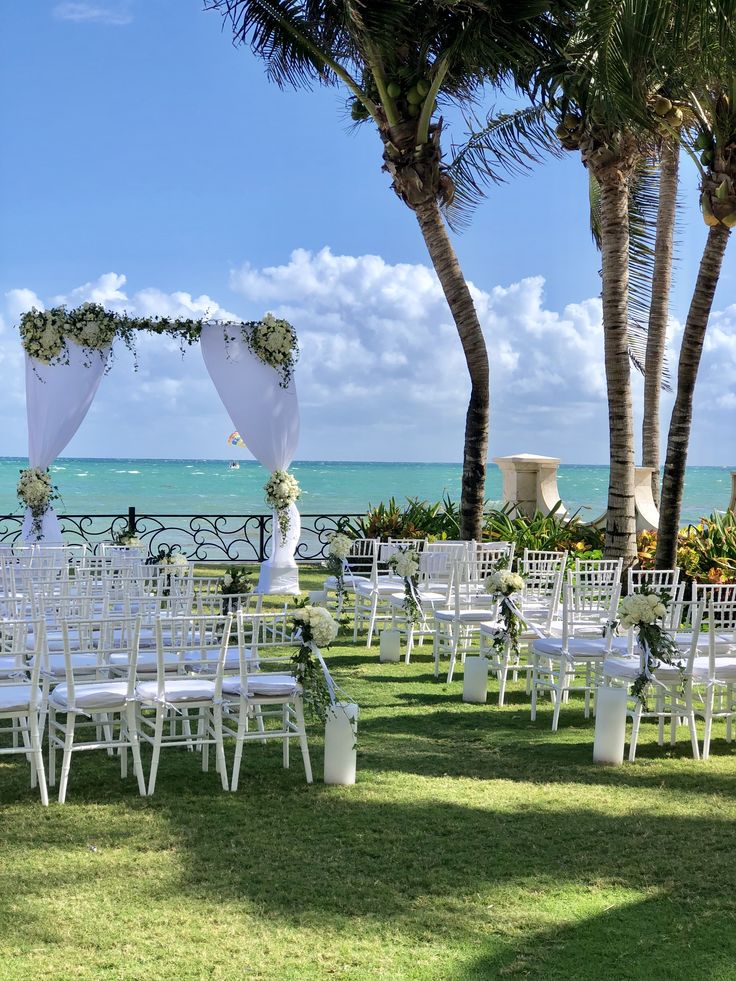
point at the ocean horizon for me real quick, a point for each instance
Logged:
(107, 485)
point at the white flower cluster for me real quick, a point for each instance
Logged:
(339, 546)
(126, 540)
(45, 333)
(318, 624)
(405, 563)
(179, 563)
(227, 580)
(275, 342)
(640, 608)
(282, 489)
(42, 334)
(35, 489)
(503, 583)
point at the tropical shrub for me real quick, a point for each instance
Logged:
(706, 551)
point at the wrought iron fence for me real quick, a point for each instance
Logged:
(201, 537)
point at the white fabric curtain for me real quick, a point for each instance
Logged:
(267, 417)
(58, 398)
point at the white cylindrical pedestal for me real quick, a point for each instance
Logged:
(341, 734)
(610, 725)
(390, 646)
(317, 597)
(475, 680)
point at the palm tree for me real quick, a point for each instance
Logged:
(661, 282)
(397, 59)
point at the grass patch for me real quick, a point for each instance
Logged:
(475, 845)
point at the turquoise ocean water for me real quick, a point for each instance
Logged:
(210, 487)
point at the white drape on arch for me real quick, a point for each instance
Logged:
(58, 398)
(267, 417)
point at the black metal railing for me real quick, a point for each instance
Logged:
(201, 537)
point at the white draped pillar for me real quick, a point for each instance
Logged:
(58, 398)
(267, 417)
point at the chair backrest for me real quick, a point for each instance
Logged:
(19, 639)
(486, 557)
(706, 592)
(115, 635)
(362, 558)
(593, 594)
(55, 609)
(533, 557)
(657, 579)
(265, 640)
(197, 641)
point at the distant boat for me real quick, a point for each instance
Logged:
(233, 465)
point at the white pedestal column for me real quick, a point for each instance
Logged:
(530, 482)
(610, 726)
(341, 734)
(390, 646)
(475, 680)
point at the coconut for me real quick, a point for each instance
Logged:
(571, 121)
(393, 89)
(707, 157)
(562, 131)
(662, 105)
(674, 117)
(423, 87)
(702, 142)
(413, 97)
(414, 109)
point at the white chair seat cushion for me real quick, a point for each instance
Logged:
(583, 647)
(350, 582)
(146, 663)
(199, 659)
(54, 640)
(684, 638)
(621, 667)
(725, 669)
(385, 585)
(464, 616)
(269, 685)
(16, 698)
(177, 690)
(101, 695)
(11, 664)
(55, 667)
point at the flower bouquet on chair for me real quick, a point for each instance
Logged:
(644, 610)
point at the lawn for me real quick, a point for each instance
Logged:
(475, 845)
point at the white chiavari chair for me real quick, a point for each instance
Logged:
(21, 696)
(86, 715)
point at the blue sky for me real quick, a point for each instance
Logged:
(149, 163)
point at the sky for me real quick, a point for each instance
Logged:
(150, 165)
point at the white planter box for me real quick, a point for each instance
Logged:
(390, 646)
(341, 734)
(610, 725)
(475, 680)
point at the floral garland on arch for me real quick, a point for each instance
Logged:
(644, 610)
(46, 333)
(502, 584)
(405, 563)
(315, 627)
(274, 342)
(338, 549)
(36, 492)
(282, 489)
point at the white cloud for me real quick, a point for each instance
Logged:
(80, 12)
(382, 374)
(20, 300)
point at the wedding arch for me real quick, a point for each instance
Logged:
(251, 365)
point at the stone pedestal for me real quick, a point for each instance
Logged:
(647, 512)
(530, 482)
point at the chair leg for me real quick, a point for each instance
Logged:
(372, 620)
(239, 742)
(38, 766)
(220, 745)
(535, 679)
(52, 748)
(709, 696)
(559, 690)
(135, 748)
(691, 723)
(436, 651)
(67, 758)
(285, 727)
(635, 723)
(299, 712)
(157, 736)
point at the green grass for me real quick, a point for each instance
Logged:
(475, 845)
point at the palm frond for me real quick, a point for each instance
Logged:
(506, 144)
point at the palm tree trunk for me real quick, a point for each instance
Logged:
(659, 308)
(621, 519)
(682, 412)
(468, 326)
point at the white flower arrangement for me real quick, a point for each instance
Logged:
(644, 611)
(503, 583)
(640, 608)
(45, 333)
(36, 492)
(318, 623)
(275, 342)
(339, 546)
(282, 489)
(127, 539)
(178, 563)
(338, 549)
(405, 563)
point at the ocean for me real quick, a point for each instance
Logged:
(210, 487)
